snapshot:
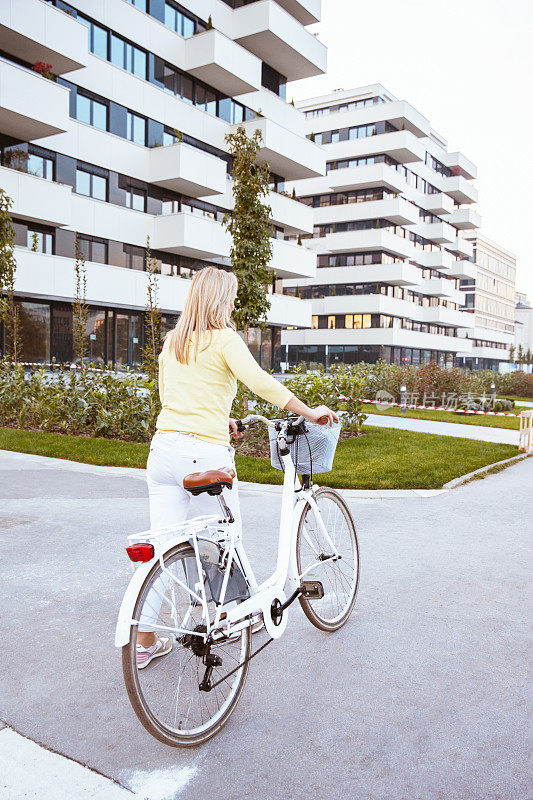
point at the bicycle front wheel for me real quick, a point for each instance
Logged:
(166, 694)
(332, 559)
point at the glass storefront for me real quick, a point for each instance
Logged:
(96, 336)
(35, 324)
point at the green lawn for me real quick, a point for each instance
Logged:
(448, 416)
(381, 459)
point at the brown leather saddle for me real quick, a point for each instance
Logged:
(211, 481)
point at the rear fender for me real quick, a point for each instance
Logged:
(125, 615)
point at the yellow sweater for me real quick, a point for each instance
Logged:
(197, 397)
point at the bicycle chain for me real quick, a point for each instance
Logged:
(239, 666)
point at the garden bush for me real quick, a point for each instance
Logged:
(125, 405)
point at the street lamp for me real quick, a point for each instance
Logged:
(493, 393)
(403, 398)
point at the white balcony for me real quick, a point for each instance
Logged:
(494, 353)
(434, 259)
(291, 260)
(399, 113)
(445, 316)
(359, 241)
(36, 199)
(460, 164)
(295, 217)
(395, 337)
(439, 232)
(186, 169)
(463, 269)
(270, 32)
(403, 146)
(40, 275)
(463, 247)
(396, 210)
(439, 203)
(305, 11)
(98, 218)
(36, 31)
(460, 189)
(287, 153)
(222, 63)
(465, 219)
(286, 310)
(400, 274)
(440, 287)
(191, 235)
(31, 107)
(365, 177)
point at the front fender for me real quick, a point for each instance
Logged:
(125, 614)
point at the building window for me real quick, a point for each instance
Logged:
(135, 257)
(331, 322)
(136, 198)
(314, 322)
(136, 128)
(35, 323)
(139, 4)
(92, 112)
(273, 80)
(127, 56)
(348, 321)
(182, 23)
(93, 249)
(97, 37)
(91, 185)
(41, 166)
(40, 241)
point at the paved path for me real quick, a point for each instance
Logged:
(423, 695)
(480, 432)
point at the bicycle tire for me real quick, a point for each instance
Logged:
(145, 714)
(312, 607)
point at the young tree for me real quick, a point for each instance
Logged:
(520, 356)
(249, 226)
(9, 310)
(152, 319)
(80, 310)
(511, 353)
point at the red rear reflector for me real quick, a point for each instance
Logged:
(140, 552)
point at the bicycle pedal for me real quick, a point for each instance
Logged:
(313, 590)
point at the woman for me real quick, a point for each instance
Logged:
(201, 360)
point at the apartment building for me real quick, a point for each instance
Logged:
(113, 118)
(490, 299)
(389, 229)
(523, 325)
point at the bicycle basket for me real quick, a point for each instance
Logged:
(312, 451)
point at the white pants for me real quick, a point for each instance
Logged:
(172, 457)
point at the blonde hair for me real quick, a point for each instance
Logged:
(207, 308)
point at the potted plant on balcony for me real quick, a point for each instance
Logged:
(44, 70)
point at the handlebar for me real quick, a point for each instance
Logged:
(242, 424)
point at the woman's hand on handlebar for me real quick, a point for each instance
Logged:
(322, 415)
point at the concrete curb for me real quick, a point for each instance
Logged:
(45, 462)
(469, 475)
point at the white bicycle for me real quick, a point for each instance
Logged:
(195, 583)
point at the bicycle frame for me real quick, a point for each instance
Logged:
(262, 597)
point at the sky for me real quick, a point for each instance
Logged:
(467, 66)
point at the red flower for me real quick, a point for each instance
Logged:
(41, 67)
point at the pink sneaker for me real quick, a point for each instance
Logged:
(161, 647)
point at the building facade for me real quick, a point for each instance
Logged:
(389, 230)
(113, 125)
(490, 299)
(523, 326)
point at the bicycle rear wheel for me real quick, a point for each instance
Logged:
(166, 694)
(339, 575)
